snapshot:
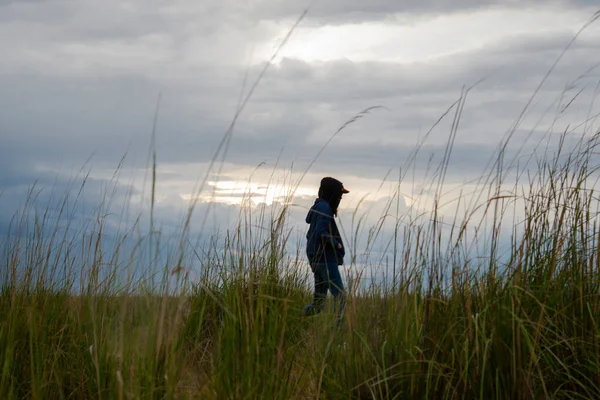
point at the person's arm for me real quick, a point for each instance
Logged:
(322, 227)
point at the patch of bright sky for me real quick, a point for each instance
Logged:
(405, 40)
(276, 186)
(238, 193)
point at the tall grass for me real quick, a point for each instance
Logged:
(522, 323)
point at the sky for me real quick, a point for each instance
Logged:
(83, 81)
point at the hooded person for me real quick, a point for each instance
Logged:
(324, 247)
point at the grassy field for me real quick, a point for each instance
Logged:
(452, 325)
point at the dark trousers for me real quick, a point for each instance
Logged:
(327, 277)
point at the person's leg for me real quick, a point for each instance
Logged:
(320, 275)
(336, 286)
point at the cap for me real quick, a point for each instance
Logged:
(333, 184)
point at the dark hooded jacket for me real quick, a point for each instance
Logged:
(323, 236)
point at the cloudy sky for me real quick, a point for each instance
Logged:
(81, 80)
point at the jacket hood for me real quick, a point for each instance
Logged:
(331, 190)
(318, 204)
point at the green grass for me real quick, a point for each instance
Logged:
(522, 326)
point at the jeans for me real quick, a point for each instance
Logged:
(327, 277)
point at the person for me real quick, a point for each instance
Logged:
(325, 248)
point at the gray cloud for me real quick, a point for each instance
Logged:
(340, 11)
(297, 108)
(80, 82)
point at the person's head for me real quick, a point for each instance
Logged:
(331, 190)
